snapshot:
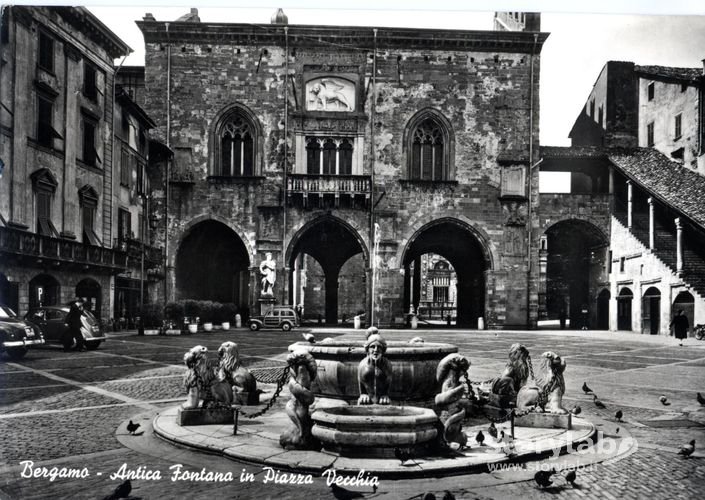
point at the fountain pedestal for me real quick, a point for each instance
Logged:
(374, 431)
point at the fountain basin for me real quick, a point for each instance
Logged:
(413, 368)
(375, 431)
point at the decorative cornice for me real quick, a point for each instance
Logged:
(339, 37)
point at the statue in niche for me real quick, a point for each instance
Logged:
(268, 270)
(374, 374)
(327, 91)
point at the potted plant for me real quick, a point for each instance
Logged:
(173, 316)
(192, 311)
(207, 314)
(152, 318)
(227, 312)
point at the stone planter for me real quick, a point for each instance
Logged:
(192, 328)
(208, 326)
(374, 431)
(225, 325)
(413, 369)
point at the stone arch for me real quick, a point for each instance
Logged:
(624, 308)
(465, 250)
(237, 229)
(218, 124)
(212, 262)
(446, 128)
(489, 251)
(317, 253)
(574, 248)
(90, 291)
(44, 290)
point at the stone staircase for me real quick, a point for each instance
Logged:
(665, 248)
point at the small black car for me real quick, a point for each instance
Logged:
(52, 322)
(16, 336)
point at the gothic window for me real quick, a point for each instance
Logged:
(329, 156)
(237, 147)
(428, 152)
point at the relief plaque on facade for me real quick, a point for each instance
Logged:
(330, 94)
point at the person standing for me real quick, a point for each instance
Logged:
(680, 326)
(73, 322)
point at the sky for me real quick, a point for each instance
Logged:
(578, 46)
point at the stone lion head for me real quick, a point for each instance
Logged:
(551, 368)
(195, 355)
(229, 358)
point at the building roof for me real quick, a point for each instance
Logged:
(668, 181)
(686, 75)
(353, 37)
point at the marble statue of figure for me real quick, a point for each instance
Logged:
(374, 374)
(268, 269)
(327, 91)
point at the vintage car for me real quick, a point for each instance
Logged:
(277, 317)
(52, 322)
(16, 336)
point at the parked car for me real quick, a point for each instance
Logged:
(277, 317)
(16, 336)
(52, 322)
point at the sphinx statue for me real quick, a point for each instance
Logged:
(374, 374)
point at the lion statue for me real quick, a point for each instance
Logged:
(202, 382)
(548, 392)
(243, 383)
(515, 375)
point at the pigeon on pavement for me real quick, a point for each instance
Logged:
(597, 402)
(701, 399)
(492, 430)
(480, 438)
(586, 389)
(543, 478)
(308, 337)
(132, 427)
(664, 401)
(618, 416)
(687, 449)
(570, 476)
(576, 410)
(122, 491)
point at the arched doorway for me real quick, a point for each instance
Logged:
(44, 290)
(603, 310)
(90, 291)
(651, 311)
(686, 302)
(328, 266)
(455, 243)
(624, 309)
(575, 263)
(212, 264)
(9, 293)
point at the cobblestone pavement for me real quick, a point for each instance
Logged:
(62, 409)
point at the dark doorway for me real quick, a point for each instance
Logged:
(686, 302)
(624, 309)
(455, 243)
(212, 264)
(575, 257)
(89, 290)
(651, 311)
(603, 310)
(9, 293)
(44, 290)
(328, 271)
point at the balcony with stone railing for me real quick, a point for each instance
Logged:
(36, 249)
(328, 191)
